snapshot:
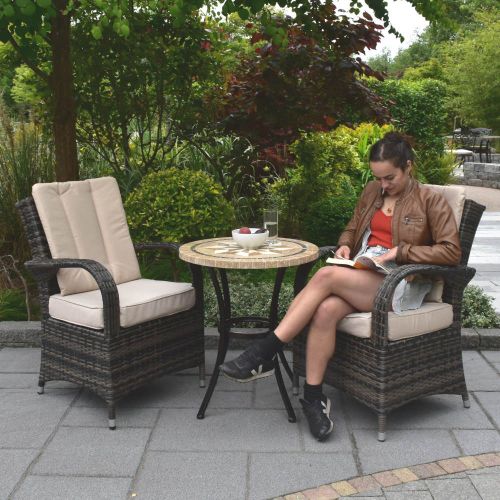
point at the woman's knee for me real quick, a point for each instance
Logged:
(328, 311)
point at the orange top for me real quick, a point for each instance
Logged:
(381, 231)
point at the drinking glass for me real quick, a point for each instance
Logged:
(271, 224)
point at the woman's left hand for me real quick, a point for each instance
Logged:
(390, 255)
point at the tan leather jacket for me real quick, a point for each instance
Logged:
(423, 225)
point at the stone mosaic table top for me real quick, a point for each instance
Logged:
(225, 253)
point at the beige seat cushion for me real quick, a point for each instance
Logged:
(86, 220)
(140, 300)
(428, 318)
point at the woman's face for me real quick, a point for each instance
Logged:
(392, 179)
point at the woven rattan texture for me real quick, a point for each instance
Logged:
(114, 361)
(385, 375)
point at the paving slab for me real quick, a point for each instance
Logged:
(64, 488)
(20, 360)
(408, 495)
(192, 476)
(491, 403)
(225, 430)
(491, 356)
(433, 412)
(457, 489)
(475, 441)
(487, 485)
(98, 417)
(402, 448)
(27, 419)
(479, 375)
(13, 464)
(93, 452)
(273, 473)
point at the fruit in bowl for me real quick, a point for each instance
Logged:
(250, 237)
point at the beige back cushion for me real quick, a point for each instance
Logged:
(455, 196)
(86, 220)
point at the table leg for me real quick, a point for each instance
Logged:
(284, 395)
(221, 356)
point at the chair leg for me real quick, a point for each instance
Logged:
(381, 427)
(111, 417)
(465, 399)
(41, 386)
(201, 374)
(295, 385)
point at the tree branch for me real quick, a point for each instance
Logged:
(44, 76)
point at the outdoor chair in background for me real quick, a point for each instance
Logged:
(385, 360)
(103, 326)
(475, 140)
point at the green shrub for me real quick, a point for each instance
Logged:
(435, 169)
(418, 109)
(243, 293)
(13, 305)
(26, 157)
(477, 309)
(327, 165)
(328, 216)
(178, 205)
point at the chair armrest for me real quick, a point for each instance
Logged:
(455, 277)
(44, 269)
(326, 251)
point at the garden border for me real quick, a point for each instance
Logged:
(27, 334)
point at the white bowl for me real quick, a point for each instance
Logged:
(250, 241)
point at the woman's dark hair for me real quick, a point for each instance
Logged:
(393, 147)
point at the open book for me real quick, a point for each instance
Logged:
(363, 262)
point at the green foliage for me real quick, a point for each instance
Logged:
(418, 109)
(325, 165)
(26, 157)
(328, 216)
(12, 305)
(362, 138)
(178, 205)
(428, 69)
(308, 85)
(243, 293)
(435, 169)
(477, 309)
(472, 67)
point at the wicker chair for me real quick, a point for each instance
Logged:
(385, 374)
(109, 358)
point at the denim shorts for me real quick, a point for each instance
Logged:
(407, 295)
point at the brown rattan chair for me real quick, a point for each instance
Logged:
(385, 374)
(112, 360)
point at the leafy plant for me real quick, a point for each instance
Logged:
(26, 157)
(243, 294)
(13, 305)
(477, 309)
(327, 166)
(178, 205)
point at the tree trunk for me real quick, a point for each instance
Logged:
(64, 117)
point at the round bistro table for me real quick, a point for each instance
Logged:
(219, 254)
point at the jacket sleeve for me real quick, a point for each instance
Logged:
(348, 236)
(446, 247)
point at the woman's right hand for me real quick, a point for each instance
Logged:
(343, 252)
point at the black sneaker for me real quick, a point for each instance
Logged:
(318, 417)
(249, 365)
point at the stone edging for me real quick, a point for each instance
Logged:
(384, 479)
(27, 334)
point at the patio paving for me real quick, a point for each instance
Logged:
(58, 446)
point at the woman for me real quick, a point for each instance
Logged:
(396, 219)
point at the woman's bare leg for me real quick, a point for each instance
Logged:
(322, 335)
(357, 287)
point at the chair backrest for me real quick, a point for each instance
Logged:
(86, 220)
(467, 214)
